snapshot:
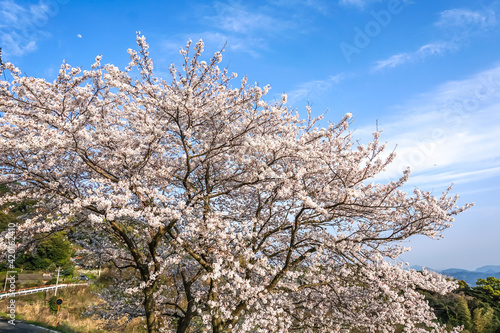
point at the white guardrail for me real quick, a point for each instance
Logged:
(33, 290)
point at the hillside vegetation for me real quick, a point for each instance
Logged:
(476, 308)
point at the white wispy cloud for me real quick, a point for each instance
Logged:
(363, 4)
(393, 61)
(438, 48)
(236, 18)
(21, 26)
(459, 24)
(245, 44)
(427, 50)
(251, 45)
(357, 3)
(465, 18)
(450, 134)
(321, 6)
(248, 29)
(245, 29)
(306, 89)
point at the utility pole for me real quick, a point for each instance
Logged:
(100, 258)
(57, 281)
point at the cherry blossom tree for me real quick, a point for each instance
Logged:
(231, 214)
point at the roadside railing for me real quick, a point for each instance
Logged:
(32, 290)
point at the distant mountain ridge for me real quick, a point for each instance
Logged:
(468, 276)
(489, 269)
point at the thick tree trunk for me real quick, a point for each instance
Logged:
(184, 323)
(186, 320)
(149, 307)
(218, 327)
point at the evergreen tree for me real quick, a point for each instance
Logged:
(463, 312)
(482, 319)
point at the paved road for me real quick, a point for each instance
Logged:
(22, 327)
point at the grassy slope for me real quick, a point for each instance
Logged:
(35, 309)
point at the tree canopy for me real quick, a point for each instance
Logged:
(52, 250)
(233, 213)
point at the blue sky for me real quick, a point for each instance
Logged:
(427, 71)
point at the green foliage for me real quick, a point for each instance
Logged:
(489, 288)
(52, 281)
(56, 248)
(462, 285)
(52, 304)
(53, 250)
(3, 189)
(68, 270)
(483, 320)
(476, 308)
(10, 212)
(463, 312)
